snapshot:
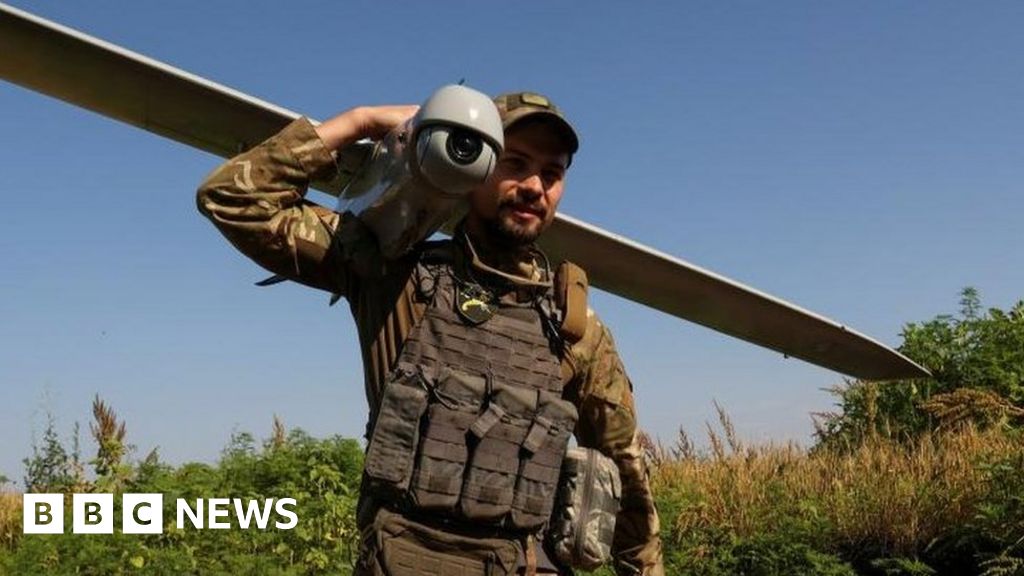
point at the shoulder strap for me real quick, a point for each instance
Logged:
(571, 299)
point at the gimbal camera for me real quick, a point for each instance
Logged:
(416, 177)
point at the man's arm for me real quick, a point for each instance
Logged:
(608, 423)
(257, 198)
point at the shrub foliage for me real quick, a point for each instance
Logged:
(977, 362)
(322, 475)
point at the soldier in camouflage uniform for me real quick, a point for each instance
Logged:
(257, 201)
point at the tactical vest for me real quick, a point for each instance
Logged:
(472, 425)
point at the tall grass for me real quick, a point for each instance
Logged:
(879, 500)
(10, 519)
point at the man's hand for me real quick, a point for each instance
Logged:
(362, 122)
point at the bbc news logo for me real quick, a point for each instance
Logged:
(144, 513)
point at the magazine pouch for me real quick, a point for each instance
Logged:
(395, 436)
(540, 467)
(455, 405)
(497, 434)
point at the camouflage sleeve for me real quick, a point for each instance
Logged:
(256, 200)
(608, 423)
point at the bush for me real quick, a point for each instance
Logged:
(977, 364)
(322, 475)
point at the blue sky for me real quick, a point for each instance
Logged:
(862, 160)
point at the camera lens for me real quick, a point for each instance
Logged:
(464, 147)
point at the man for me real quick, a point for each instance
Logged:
(257, 201)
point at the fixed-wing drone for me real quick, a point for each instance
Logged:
(93, 74)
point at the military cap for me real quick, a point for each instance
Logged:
(516, 106)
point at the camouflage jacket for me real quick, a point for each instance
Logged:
(257, 200)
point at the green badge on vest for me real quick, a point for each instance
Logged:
(473, 304)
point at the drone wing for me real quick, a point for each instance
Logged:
(99, 76)
(107, 79)
(644, 275)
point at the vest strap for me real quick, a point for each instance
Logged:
(537, 435)
(571, 297)
(487, 420)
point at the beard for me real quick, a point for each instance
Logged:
(506, 231)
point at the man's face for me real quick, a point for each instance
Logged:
(519, 200)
